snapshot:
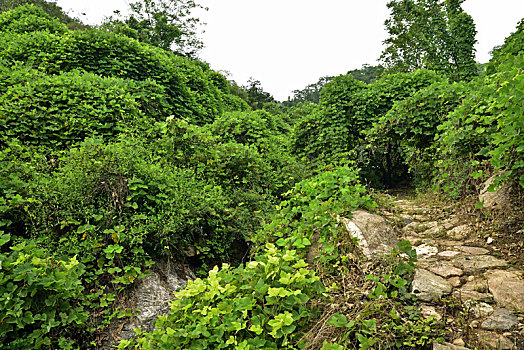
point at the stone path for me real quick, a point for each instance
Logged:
(452, 267)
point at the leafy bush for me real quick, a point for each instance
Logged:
(15, 74)
(410, 126)
(29, 18)
(508, 142)
(348, 108)
(312, 209)
(192, 90)
(247, 127)
(160, 209)
(61, 110)
(39, 297)
(265, 304)
(263, 166)
(482, 134)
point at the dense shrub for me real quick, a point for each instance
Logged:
(160, 209)
(258, 162)
(483, 134)
(60, 110)
(40, 297)
(247, 127)
(313, 208)
(410, 126)
(30, 18)
(348, 108)
(192, 90)
(15, 74)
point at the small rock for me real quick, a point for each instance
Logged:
(496, 341)
(501, 319)
(476, 263)
(411, 227)
(428, 311)
(474, 324)
(507, 288)
(478, 309)
(459, 342)
(473, 250)
(455, 281)
(446, 270)
(429, 287)
(425, 250)
(489, 240)
(432, 231)
(447, 346)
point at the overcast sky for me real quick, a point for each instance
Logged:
(288, 44)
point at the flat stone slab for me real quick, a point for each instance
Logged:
(501, 320)
(425, 250)
(460, 232)
(445, 269)
(429, 287)
(465, 295)
(478, 284)
(450, 243)
(496, 341)
(448, 254)
(507, 288)
(473, 250)
(476, 263)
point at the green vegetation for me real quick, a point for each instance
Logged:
(168, 24)
(430, 34)
(117, 152)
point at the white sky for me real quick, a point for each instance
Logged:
(288, 44)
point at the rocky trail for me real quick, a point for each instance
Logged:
(463, 280)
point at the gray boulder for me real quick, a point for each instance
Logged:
(375, 236)
(150, 298)
(500, 199)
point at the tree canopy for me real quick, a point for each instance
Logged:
(168, 24)
(431, 34)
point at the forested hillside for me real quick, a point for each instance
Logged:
(116, 153)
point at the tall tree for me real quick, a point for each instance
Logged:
(169, 24)
(433, 34)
